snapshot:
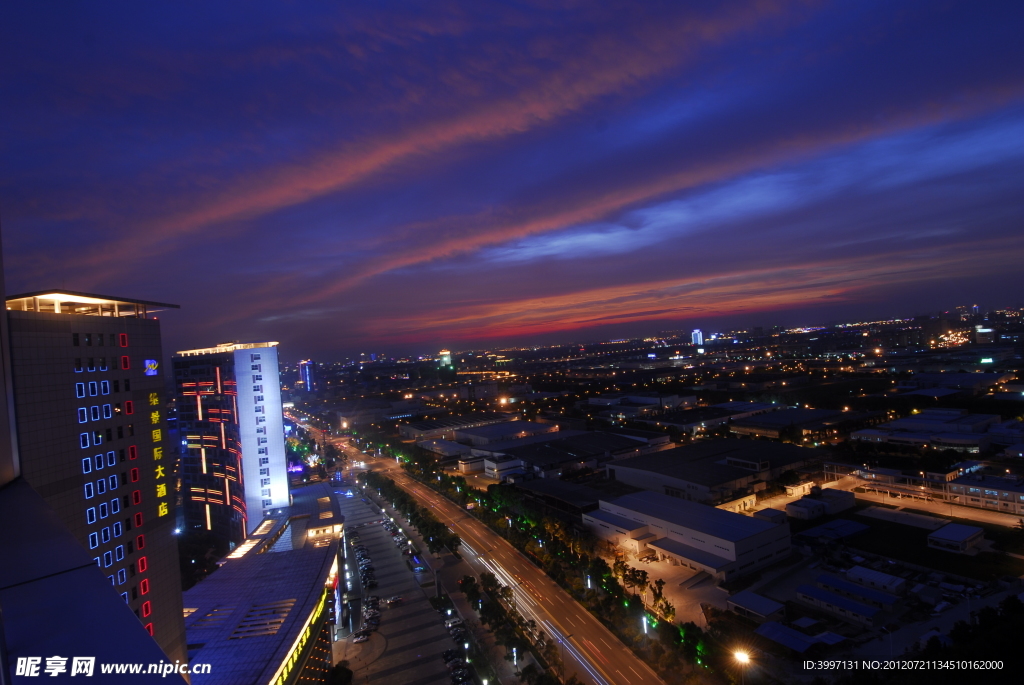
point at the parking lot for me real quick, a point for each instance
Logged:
(407, 644)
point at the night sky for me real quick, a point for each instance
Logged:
(388, 176)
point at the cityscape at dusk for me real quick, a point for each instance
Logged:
(404, 178)
(516, 343)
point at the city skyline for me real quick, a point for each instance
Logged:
(389, 179)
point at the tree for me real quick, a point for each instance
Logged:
(470, 588)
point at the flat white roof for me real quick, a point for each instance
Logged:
(956, 532)
(722, 524)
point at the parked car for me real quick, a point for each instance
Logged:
(450, 654)
(456, 664)
(452, 622)
(360, 638)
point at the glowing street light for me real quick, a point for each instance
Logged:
(743, 659)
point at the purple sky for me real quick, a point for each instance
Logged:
(404, 176)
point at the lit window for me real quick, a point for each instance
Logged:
(108, 559)
(125, 364)
(133, 475)
(111, 459)
(142, 564)
(140, 541)
(138, 519)
(132, 452)
(147, 609)
(108, 411)
(112, 482)
(104, 510)
(105, 536)
(104, 387)
(97, 438)
(122, 576)
(86, 465)
(90, 515)
(118, 527)
(83, 440)
(137, 497)
(123, 339)
(98, 461)
(79, 389)
(144, 586)
(94, 540)
(119, 552)
(129, 407)
(88, 491)
(94, 388)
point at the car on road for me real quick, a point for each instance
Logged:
(360, 638)
(452, 622)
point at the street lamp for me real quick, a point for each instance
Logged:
(743, 659)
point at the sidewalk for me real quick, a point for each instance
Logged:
(448, 570)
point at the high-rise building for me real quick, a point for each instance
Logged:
(697, 337)
(307, 374)
(89, 402)
(444, 358)
(234, 467)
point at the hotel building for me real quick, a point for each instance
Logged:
(234, 468)
(89, 401)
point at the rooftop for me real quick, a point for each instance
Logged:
(956, 532)
(756, 603)
(88, 304)
(248, 617)
(855, 589)
(788, 417)
(225, 347)
(722, 524)
(698, 462)
(835, 600)
(681, 549)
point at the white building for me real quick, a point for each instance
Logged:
(724, 544)
(260, 425)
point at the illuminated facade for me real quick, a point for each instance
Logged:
(307, 374)
(444, 358)
(89, 400)
(697, 337)
(234, 467)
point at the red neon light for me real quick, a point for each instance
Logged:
(132, 452)
(129, 406)
(123, 339)
(141, 565)
(144, 587)
(138, 519)
(134, 475)
(149, 628)
(137, 497)
(147, 609)
(140, 542)
(125, 364)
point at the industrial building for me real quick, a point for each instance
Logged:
(720, 543)
(712, 471)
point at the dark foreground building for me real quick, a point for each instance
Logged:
(89, 405)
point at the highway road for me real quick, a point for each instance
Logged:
(590, 649)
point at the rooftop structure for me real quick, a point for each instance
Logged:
(264, 616)
(84, 304)
(499, 432)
